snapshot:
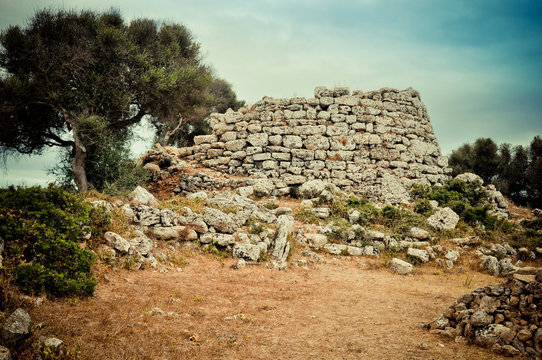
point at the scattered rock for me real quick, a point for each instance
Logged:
(247, 252)
(140, 196)
(17, 327)
(419, 254)
(419, 234)
(219, 220)
(282, 246)
(400, 267)
(199, 195)
(5, 354)
(311, 189)
(443, 219)
(316, 240)
(117, 242)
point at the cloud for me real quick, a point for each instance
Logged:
(476, 64)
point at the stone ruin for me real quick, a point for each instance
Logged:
(504, 318)
(377, 143)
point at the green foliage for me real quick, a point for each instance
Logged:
(43, 229)
(67, 73)
(517, 171)
(452, 193)
(423, 207)
(305, 215)
(400, 220)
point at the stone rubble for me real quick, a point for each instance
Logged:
(503, 318)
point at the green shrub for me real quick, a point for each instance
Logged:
(43, 229)
(470, 194)
(423, 206)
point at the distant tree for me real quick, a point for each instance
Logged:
(517, 172)
(480, 158)
(516, 180)
(534, 172)
(66, 69)
(461, 160)
(485, 157)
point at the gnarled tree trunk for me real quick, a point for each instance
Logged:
(78, 163)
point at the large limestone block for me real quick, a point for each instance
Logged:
(292, 141)
(258, 139)
(219, 220)
(17, 327)
(140, 196)
(400, 267)
(248, 252)
(117, 242)
(205, 139)
(443, 219)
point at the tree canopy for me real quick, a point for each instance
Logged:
(517, 171)
(70, 76)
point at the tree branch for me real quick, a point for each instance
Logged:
(172, 132)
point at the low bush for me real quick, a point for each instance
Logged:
(43, 229)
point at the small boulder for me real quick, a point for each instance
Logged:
(140, 196)
(491, 264)
(312, 189)
(219, 220)
(443, 219)
(419, 254)
(249, 252)
(263, 187)
(117, 242)
(5, 354)
(245, 191)
(316, 240)
(199, 195)
(419, 234)
(400, 267)
(469, 178)
(17, 327)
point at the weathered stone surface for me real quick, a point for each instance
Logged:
(5, 354)
(140, 196)
(443, 219)
(491, 264)
(400, 267)
(219, 220)
(282, 246)
(117, 242)
(141, 244)
(17, 327)
(419, 234)
(248, 252)
(312, 189)
(217, 238)
(205, 139)
(199, 195)
(199, 225)
(166, 233)
(481, 318)
(263, 187)
(419, 254)
(316, 240)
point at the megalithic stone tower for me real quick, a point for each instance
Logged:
(378, 143)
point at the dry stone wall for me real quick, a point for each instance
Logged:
(379, 142)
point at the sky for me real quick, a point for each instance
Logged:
(477, 64)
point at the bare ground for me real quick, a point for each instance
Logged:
(337, 309)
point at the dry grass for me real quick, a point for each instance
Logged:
(344, 309)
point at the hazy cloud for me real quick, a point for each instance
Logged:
(476, 64)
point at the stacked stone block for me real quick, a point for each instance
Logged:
(369, 142)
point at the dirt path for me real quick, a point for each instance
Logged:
(338, 310)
